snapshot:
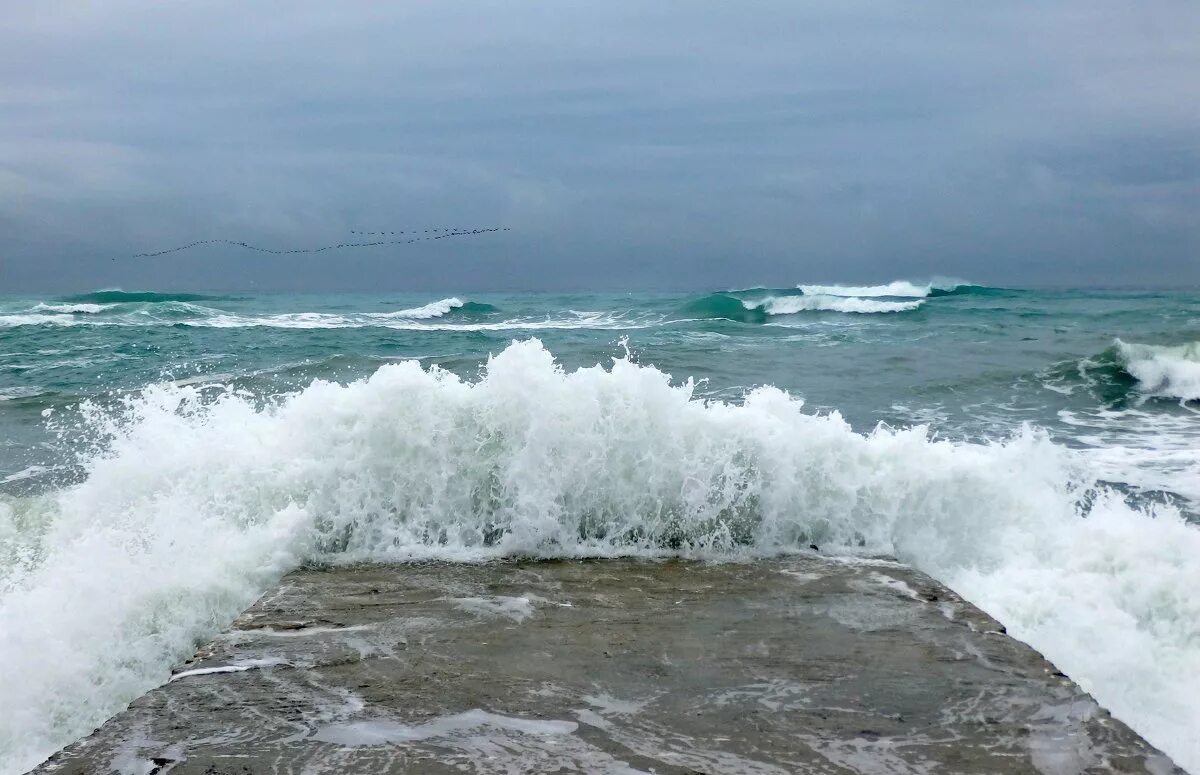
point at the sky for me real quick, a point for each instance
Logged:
(626, 144)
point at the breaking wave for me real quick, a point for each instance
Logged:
(437, 309)
(758, 305)
(194, 506)
(175, 312)
(1164, 371)
(790, 305)
(899, 289)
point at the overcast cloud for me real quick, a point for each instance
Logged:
(627, 144)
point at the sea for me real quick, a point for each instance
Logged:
(166, 457)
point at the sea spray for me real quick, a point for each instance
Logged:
(194, 504)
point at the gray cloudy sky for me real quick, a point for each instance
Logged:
(627, 143)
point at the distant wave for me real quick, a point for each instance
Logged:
(896, 288)
(1164, 371)
(148, 308)
(967, 289)
(186, 315)
(72, 309)
(790, 305)
(759, 304)
(437, 309)
(117, 296)
(309, 320)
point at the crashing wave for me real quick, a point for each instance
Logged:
(196, 506)
(1164, 371)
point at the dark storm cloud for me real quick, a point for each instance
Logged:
(626, 145)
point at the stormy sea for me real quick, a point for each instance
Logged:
(166, 457)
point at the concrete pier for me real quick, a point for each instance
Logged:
(799, 665)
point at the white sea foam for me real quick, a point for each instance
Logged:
(197, 506)
(1168, 371)
(791, 305)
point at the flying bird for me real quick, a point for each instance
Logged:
(339, 246)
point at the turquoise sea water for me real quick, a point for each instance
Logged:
(972, 362)
(165, 457)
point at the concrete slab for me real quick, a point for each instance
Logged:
(805, 664)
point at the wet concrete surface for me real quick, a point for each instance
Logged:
(797, 665)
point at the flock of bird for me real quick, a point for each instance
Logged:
(432, 234)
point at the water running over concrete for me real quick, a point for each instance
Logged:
(804, 664)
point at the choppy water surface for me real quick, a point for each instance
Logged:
(166, 457)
